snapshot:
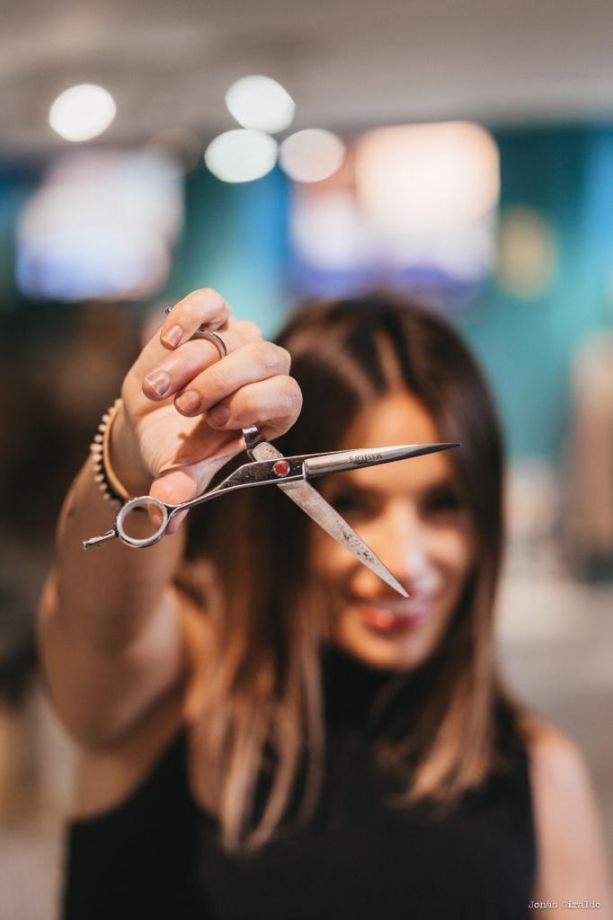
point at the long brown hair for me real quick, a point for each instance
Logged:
(262, 714)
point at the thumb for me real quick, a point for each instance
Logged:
(180, 484)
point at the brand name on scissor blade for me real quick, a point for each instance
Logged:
(366, 458)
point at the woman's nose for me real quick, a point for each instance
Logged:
(401, 544)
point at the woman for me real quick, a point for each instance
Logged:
(264, 728)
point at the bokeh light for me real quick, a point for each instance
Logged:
(101, 225)
(420, 177)
(261, 103)
(311, 155)
(241, 155)
(328, 232)
(526, 253)
(82, 112)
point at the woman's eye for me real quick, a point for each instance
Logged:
(443, 501)
(351, 505)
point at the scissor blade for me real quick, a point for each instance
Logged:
(340, 460)
(320, 511)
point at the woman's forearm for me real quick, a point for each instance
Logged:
(107, 594)
(110, 625)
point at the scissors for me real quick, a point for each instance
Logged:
(269, 466)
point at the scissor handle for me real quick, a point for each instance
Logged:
(142, 501)
(252, 437)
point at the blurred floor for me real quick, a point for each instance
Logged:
(556, 647)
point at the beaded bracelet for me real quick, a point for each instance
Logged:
(108, 483)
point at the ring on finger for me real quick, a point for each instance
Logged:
(217, 340)
(209, 335)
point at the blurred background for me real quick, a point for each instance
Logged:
(462, 152)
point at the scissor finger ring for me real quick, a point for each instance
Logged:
(143, 501)
(252, 436)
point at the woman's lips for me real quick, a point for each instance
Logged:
(392, 619)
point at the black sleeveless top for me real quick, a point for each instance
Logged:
(157, 855)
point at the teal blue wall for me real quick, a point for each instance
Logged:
(236, 240)
(15, 187)
(526, 346)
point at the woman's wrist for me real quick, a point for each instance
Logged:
(125, 458)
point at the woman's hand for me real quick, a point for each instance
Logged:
(184, 407)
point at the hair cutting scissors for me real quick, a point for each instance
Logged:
(268, 466)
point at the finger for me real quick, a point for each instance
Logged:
(175, 371)
(156, 371)
(254, 361)
(204, 307)
(273, 405)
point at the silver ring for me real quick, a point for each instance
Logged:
(217, 340)
(203, 333)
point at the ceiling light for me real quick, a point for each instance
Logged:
(311, 155)
(261, 103)
(82, 112)
(241, 155)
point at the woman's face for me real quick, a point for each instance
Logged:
(409, 514)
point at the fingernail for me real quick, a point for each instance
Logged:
(219, 415)
(188, 402)
(173, 336)
(159, 382)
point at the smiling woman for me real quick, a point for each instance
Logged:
(274, 719)
(413, 518)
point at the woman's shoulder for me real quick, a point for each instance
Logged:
(571, 848)
(558, 769)
(560, 776)
(553, 755)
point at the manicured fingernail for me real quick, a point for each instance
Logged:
(159, 382)
(173, 336)
(219, 415)
(188, 402)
